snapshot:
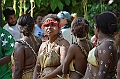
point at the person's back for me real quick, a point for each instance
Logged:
(25, 49)
(76, 59)
(11, 25)
(66, 30)
(102, 59)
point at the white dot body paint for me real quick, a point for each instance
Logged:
(117, 51)
(99, 73)
(111, 54)
(110, 47)
(38, 64)
(63, 44)
(104, 72)
(106, 65)
(109, 61)
(101, 62)
(104, 51)
(100, 51)
(94, 74)
(115, 67)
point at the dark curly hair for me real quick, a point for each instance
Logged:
(80, 27)
(27, 23)
(8, 11)
(106, 22)
(53, 16)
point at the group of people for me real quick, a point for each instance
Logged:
(66, 54)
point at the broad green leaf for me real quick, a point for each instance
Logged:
(37, 2)
(67, 2)
(60, 5)
(53, 6)
(73, 2)
(45, 2)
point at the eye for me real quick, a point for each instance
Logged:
(47, 25)
(53, 24)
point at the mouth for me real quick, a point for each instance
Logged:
(14, 22)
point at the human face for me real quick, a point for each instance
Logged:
(11, 20)
(63, 21)
(20, 28)
(51, 27)
(38, 20)
(95, 30)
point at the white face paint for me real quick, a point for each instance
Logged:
(54, 28)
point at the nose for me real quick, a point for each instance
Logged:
(14, 19)
(49, 26)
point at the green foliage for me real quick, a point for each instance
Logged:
(67, 2)
(94, 9)
(60, 5)
(53, 5)
(73, 2)
(44, 7)
(37, 2)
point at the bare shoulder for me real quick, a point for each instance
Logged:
(107, 45)
(73, 46)
(43, 45)
(107, 49)
(64, 42)
(18, 49)
(18, 45)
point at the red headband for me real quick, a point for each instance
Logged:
(50, 22)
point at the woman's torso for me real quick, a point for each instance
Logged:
(80, 59)
(29, 55)
(50, 57)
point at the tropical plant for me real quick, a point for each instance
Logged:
(83, 8)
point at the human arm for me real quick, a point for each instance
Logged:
(37, 66)
(105, 59)
(64, 45)
(5, 59)
(68, 59)
(19, 60)
(36, 72)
